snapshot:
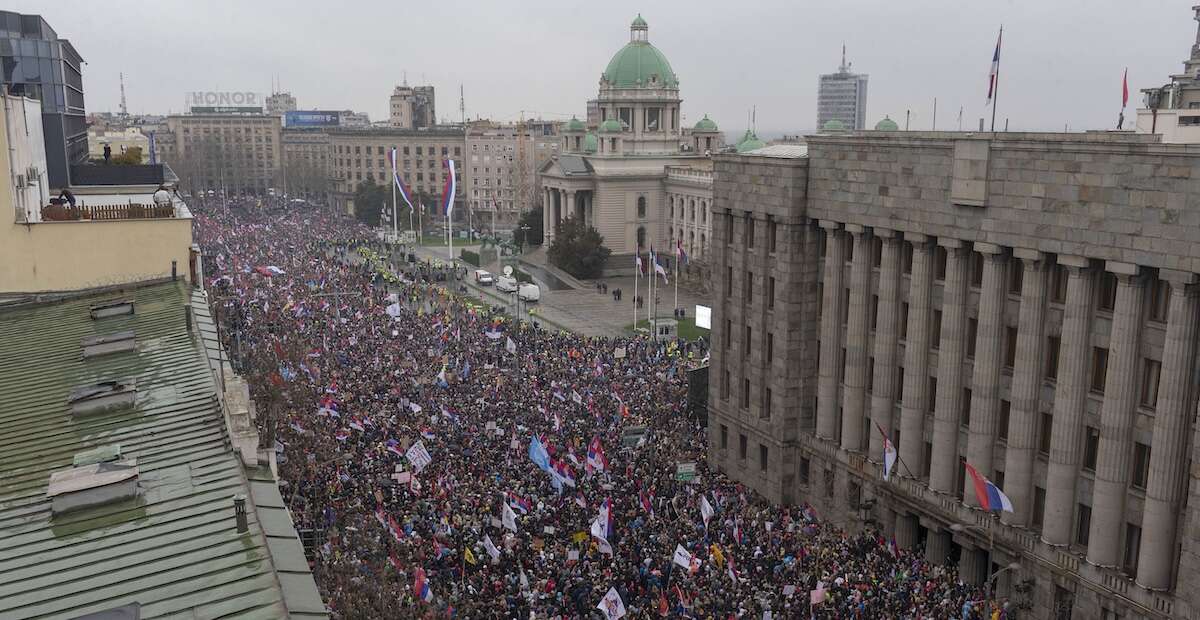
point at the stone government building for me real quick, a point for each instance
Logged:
(1025, 302)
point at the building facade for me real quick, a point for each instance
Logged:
(1173, 110)
(305, 170)
(412, 107)
(1025, 303)
(614, 176)
(504, 159)
(280, 103)
(237, 153)
(357, 155)
(40, 65)
(842, 97)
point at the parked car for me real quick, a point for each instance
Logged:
(484, 278)
(529, 292)
(506, 284)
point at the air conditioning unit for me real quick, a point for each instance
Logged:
(33, 174)
(20, 181)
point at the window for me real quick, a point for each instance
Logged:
(746, 341)
(849, 243)
(1160, 300)
(748, 288)
(745, 393)
(724, 437)
(935, 331)
(1016, 277)
(1108, 291)
(1058, 284)
(771, 292)
(1039, 507)
(972, 330)
(928, 460)
(932, 395)
(766, 410)
(906, 250)
(742, 447)
(1010, 351)
(1141, 465)
(641, 208)
(904, 321)
(772, 235)
(845, 306)
(728, 280)
(804, 467)
(1150, 373)
(1083, 525)
(965, 417)
(1091, 448)
(877, 251)
(976, 269)
(1052, 345)
(1133, 542)
(874, 311)
(771, 347)
(1047, 428)
(1099, 368)
(829, 482)
(641, 239)
(762, 457)
(725, 385)
(1002, 421)
(748, 232)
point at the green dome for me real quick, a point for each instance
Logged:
(639, 64)
(575, 125)
(590, 143)
(749, 142)
(887, 124)
(706, 124)
(611, 125)
(833, 125)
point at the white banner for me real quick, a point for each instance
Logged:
(418, 456)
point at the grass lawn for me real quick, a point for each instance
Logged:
(687, 328)
(440, 240)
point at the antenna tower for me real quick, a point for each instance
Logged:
(124, 107)
(521, 187)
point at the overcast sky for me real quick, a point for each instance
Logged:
(1061, 62)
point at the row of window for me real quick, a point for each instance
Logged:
(404, 150)
(743, 448)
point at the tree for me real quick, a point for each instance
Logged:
(369, 199)
(533, 219)
(579, 250)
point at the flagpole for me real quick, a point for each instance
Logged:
(676, 308)
(637, 274)
(996, 87)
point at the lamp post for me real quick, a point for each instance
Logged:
(521, 247)
(959, 528)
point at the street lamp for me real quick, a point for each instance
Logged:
(523, 229)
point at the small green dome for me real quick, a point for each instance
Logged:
(590, 143)
(639, 64)
(575, 125)
(887, 124)
(749, 142)
(611, 125)
(833, 125)
(706, 124)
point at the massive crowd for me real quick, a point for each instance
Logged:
(541, 496)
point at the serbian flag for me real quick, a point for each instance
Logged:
(357, 425)
(733, 574)
(395, 529)
(604, 518)
(342, 435)
(427, 433)
(394, 447)
(381, 517)
(646, 499)
(990, 497)
(403, 191)
(596, 461)
(563, 472)
(518, 503)
(449, 189)
(994, 75)
(421, 586)
(679, 253)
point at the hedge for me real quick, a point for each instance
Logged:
(470, 257)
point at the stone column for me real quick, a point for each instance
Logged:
(989, 358)
(937, 544)
(1116, 418)
(834, 283)
(887, 335)
(1070, 401)
(906, 531)
(547, 216)
(969, 565)
(1026, 387)
(1168, 450)
(571, 207)
(944, 464)
(916, 358)
(854, 397)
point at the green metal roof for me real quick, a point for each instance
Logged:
(611, 125)
(175, 548)
(638, 22)
(576, 125)
(706, 124)
(749, 142)
(887, 124)
(640, 64)
(833, 125)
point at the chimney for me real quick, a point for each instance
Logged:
(239, 513)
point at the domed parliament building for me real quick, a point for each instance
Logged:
(638, 176)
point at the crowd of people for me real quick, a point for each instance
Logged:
(452, 462)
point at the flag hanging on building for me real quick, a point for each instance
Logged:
(889, 457)
(990, 497)
(994, 74)
(449, 189)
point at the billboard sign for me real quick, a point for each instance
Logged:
(213, 109)
(311, 118)
(224, 101)
(703, 317)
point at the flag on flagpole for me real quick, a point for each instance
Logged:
(400, 184)
(421, 586)
(491, 547)
(990, 497)
(1125, 89)
(596, 461)
(508, 517)
(994, 74)
(706, 510)
(538, 454)
(449, 189)
(680, 255)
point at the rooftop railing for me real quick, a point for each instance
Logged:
(105, 212)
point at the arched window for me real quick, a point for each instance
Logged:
(641, 237)
(641, 207)
(700, 250)
(703, 216)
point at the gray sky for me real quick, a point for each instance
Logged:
(1061, 61)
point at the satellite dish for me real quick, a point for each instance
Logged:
(508, 270)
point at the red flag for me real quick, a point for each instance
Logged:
(1125, 89)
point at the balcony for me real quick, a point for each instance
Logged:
(127, 211)
(688, 174)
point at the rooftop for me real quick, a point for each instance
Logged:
(172, 547)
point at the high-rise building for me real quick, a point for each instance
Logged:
(504, 159)
(842, 97)
(1042, 331)
(238, 153)
(40, 65)
(358, 155)
(412, 107)
(280, 103)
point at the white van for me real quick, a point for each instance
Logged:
(484, 278)
(529, 292)
(506, 284)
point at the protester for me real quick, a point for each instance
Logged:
(351, 363)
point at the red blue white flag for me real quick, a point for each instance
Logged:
(990, 497)
(449, 189)
(994, 74)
